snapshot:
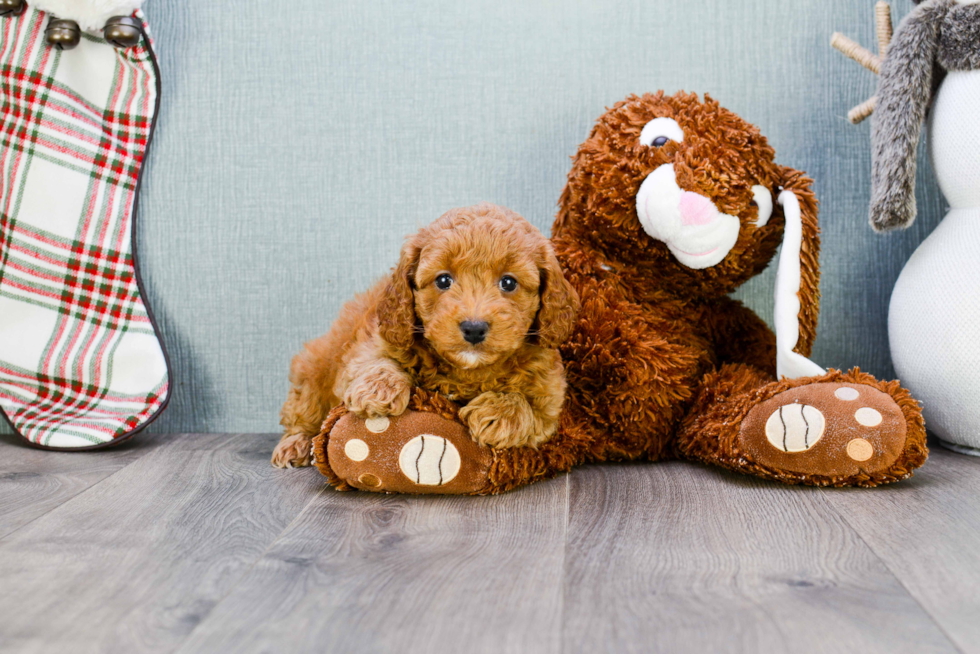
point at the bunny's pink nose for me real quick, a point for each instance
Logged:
(696, 209)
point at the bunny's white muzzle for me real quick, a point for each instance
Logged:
(695, 231)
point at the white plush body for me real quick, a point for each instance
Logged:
(90, 15)
(934, 318)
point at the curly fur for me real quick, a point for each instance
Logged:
(91, 15)
(405, 332)
(651, 328)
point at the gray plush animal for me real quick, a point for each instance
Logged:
(938, 38)
(933, 65)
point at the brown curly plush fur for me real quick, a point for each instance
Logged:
(651, 328)
(406, 332)
(662, 363)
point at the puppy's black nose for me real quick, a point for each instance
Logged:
(474, 332)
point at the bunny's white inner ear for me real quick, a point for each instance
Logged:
(763, 199)
(788, 279)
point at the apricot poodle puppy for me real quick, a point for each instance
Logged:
(475, 310)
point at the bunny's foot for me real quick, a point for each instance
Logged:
(834, 430)
(839, 430)
(418, 452)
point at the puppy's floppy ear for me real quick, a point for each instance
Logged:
(797, 278)
(396, 311)
(559, 301)
(905, 90)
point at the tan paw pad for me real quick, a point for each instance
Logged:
(860, 449)
(369, 480)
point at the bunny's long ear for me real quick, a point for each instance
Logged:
(797, 279)
(905, 90)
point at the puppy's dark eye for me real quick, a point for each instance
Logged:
(508, 284)
(444, 281)
(660, 142)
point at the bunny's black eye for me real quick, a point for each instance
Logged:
(661, 131)
(508, 284)
(444, 281)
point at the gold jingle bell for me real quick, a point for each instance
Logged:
(12, 7)
(123, 31)
(62, 34)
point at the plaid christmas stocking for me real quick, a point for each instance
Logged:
(81, 363)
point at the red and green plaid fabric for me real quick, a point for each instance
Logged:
(81, 363)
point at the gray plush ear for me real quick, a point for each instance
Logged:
(904, 92)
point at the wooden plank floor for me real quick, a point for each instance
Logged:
(193, 543)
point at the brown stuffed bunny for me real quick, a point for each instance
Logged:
(671, 204)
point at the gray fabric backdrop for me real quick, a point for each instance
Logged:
(300, 141)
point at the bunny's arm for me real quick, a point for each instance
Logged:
(904, 92)
(740, 336)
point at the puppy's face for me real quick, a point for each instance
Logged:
(477, 293)
(478, 284)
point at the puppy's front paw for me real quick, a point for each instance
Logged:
(378, 393)
(293, 451)
(501, 420)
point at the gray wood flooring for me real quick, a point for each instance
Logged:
(193, 543)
